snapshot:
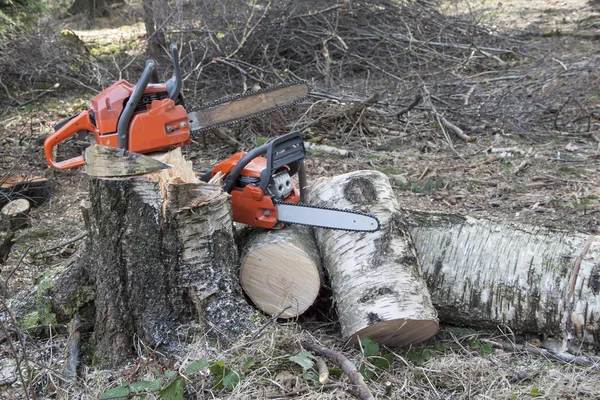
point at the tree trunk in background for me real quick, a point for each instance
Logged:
(92, 8)
(280, 270)
(160, 260)
(154, 22)
(483, 273)
(375, 277)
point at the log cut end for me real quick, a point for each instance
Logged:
(397, 332)
(280, 278)
(15, 214)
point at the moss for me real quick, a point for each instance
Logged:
(40, 233)
(43, 300)
(43, 314)
(107, 49)
(84, 296)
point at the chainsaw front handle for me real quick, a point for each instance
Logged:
(81, 122)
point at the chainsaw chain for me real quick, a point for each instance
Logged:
(304, 205)
(241, 96)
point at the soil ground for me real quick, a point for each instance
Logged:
(535, 157)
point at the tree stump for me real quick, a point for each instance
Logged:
(483, 273)
(375, 277)
(161, 254)
(15, 214)
(280, 270)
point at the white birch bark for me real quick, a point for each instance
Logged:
(376, 279)
(483, 273)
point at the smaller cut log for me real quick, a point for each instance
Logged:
(15, 214)
(35, 189)
(280, 270)
(375, 277)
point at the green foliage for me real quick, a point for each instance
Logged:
(484, 349)
(375, 362)
(226, 378)
(370, 348)
(419, 356)
(17, 14)
(441, 347)
(173, 391)
(303, 359)
(259, 141)
(118, 393)
(197, 366)
(170, 385)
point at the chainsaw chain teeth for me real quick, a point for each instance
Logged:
(328, 208)
(241, 96)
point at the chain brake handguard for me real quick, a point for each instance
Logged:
(286, 150)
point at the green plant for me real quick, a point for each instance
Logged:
(305, 360)
(226, 377)
(484, 349)
(375, 361)
(419, 356)
(170, 385)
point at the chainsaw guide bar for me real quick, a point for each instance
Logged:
(242, 107)
(315, 216)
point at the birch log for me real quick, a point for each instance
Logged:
(375, 277)
(161, 253)
(280, 270)
(483, 273)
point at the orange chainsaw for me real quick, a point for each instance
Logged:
(151, 116)
(263, 195)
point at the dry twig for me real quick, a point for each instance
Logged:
(347, 366)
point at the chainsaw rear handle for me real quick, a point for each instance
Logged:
(81, 122)
(287, 150)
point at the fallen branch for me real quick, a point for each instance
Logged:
(531, 349)
(457, 131)
(348, 367)
(443, 122)
(412, 105)
(346, 113)
(326, 149)
(58, 246)
(323, 371)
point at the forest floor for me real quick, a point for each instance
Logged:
(529, 153)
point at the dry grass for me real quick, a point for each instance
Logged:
(451, 366)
